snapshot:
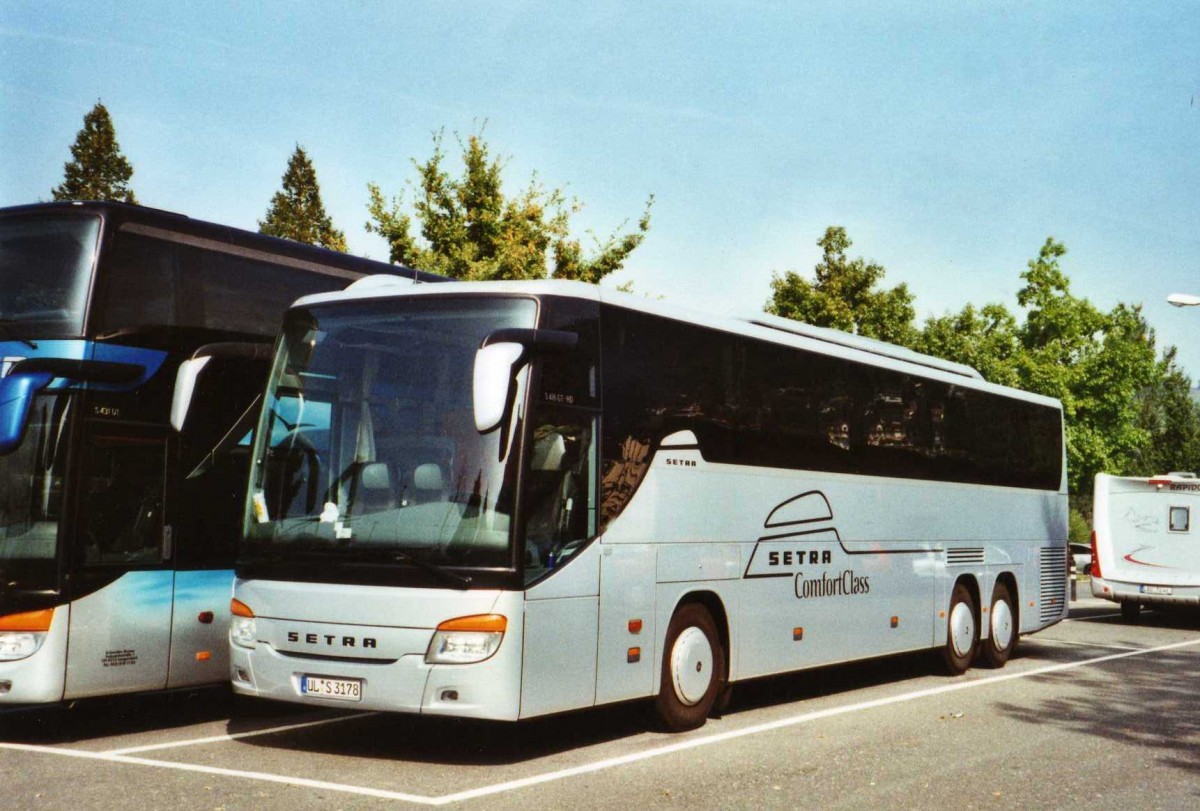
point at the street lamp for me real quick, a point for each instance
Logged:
(1184, 300)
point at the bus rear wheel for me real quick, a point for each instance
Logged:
(962, 631)
(693, 669)
(1002, 629)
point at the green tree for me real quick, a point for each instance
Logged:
(1100, 365)
(985, 339)
(844, 295)
(296, 211)
(97, 170)
(470, 229)
(1171, 419)
(1096, 363)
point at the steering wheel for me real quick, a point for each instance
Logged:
(312, 464)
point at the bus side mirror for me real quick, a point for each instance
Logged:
(498, 361)
(493, 382)
(185, 387)
(191, 369)
(17, 390)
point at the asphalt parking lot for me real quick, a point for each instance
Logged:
(1091, 710)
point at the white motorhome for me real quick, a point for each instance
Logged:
(1145, 546)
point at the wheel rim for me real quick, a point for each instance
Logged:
(691, 666)
(962, 629)
(1002, 625)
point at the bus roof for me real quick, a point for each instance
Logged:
(180, 225)
(760, 326)
(1175, 476)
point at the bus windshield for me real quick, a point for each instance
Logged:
(45, 269)
(367, 452)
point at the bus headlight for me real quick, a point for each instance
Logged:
(22, 634)
(19, 644)
(466, 639)
(243, 629)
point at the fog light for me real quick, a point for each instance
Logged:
(243, 631)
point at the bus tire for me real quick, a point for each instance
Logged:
(1003, 632)
(962, 631)
(693, 669)
(1130, 609)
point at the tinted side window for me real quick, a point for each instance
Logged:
(662, 376)
(246, 295)
(122, 500)
(801, 410)
(763, 404)
(154, 282)
(810, 411)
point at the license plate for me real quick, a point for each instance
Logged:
(1156, 589)
(338, 689)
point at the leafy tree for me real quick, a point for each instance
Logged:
(470, 229)
(1171, 418)
(1096, 363)
(296, 212)
(1100, 365)
(844, 295)
(98, 170)
(986, 340)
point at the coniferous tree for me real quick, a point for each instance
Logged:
(296, 212)
(98, 170)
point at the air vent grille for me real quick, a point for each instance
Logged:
(963, 557)
(1054, 583)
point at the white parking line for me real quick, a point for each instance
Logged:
(789, 722)
(237, 735)
(588, 768)
(300, 782)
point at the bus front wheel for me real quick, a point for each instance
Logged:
(962, 637)
(693, 669)
(1002, 629)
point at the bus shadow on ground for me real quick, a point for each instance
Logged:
(115, 716)
(1150, 704)
(446, 741)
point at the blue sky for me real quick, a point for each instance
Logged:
(950, 139)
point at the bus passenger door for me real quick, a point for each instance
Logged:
(558, 671)
(558, 503)
(121, 588)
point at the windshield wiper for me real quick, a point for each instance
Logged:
(326, 553)
(6, 329)
(459, 581)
